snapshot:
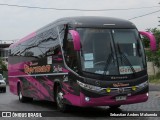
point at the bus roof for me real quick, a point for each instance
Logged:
(83, 21)
(107, 22)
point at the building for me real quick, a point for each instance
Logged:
(4, 51)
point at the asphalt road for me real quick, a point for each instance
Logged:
(9, 102)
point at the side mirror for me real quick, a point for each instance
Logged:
(4, 79)
(76, 39)
(152, 39)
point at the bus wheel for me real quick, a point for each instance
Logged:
(4, 90)
(114, 106)
(59, 100)
(21, 97)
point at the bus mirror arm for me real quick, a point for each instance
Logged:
(151, 38)
(76, 39)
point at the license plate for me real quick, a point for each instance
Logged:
(119, 98)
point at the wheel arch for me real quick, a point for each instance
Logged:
(56, 83)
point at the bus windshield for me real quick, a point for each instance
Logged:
(111, 51)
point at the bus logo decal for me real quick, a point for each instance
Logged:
(121, 90)
(120, 84)
(37, 69)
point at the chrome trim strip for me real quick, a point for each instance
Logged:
(117, 89)
(39, 75)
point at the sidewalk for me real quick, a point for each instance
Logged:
(154, 87)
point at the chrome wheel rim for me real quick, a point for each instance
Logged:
(60, 99)
(20, 95)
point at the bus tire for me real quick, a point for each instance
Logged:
(22, 98)
(114, 106)
(59, 100)
(4, 90)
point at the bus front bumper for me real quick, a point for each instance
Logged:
(111, 101)
(85, 101)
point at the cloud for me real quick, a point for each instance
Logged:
(18, 22)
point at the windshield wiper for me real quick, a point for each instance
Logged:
(108, 60)
(107, 63)
(125, 58)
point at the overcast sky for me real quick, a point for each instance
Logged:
(15, 22)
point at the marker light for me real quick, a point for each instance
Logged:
(134, 88)
(108, 90)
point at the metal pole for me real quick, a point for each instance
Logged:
(159, 17)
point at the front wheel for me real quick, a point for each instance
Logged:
(21, 97)
(60, 100)
(4, 90)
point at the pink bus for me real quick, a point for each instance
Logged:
(81, 61)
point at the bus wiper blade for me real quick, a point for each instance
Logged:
(108, 61)
(125, 58)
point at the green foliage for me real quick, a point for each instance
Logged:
(153, 56)
(156, 33)
(155, 78)
(3, 66)
(146, 42)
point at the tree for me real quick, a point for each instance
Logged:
(153, 56)
(3, 66)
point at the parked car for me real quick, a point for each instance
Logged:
(2, 84)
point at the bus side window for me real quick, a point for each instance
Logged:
(53, 50)
(57, 50)
(28, 54)
(10, 52)
(70, 53)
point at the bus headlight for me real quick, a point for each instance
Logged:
(3, 83)
(142, 85)
(89, 87)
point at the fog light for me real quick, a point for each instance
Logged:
(108, 90)
(147, 94)
(134, 88)
(87, 99)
